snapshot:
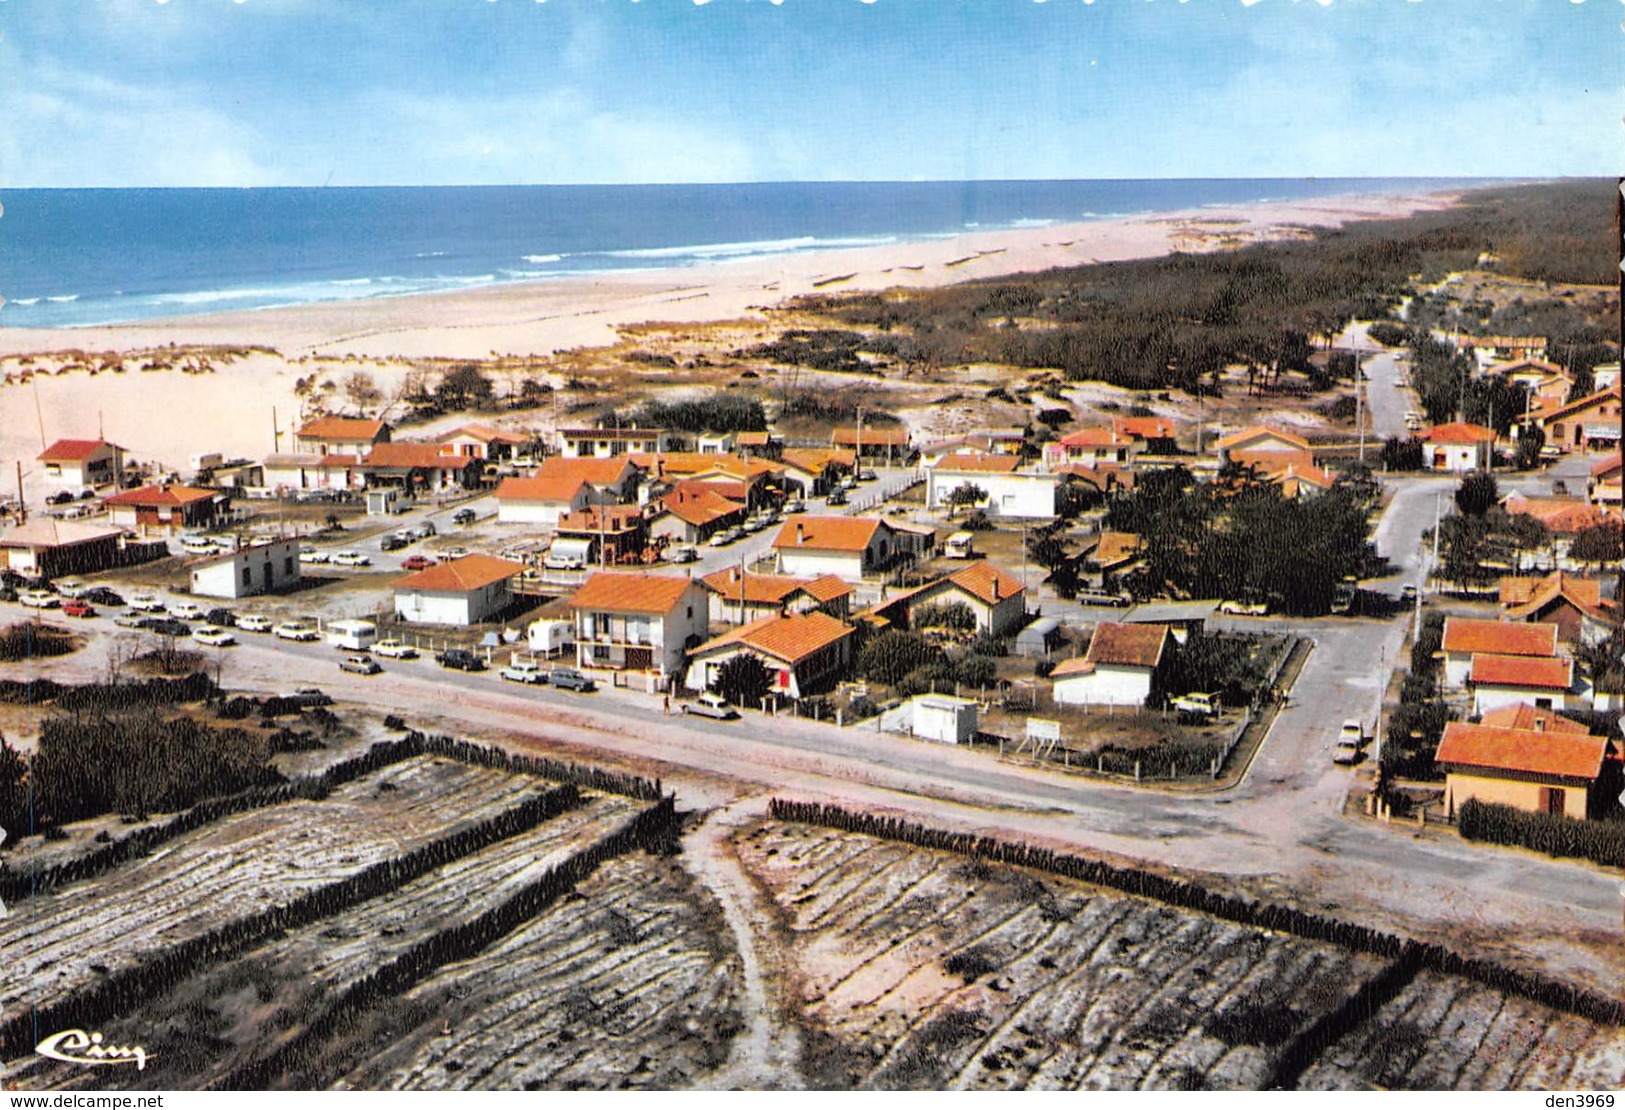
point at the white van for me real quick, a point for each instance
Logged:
(960, 545)
(352, 635)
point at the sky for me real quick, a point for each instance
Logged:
(110, 93)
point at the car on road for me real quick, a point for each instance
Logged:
(1351, 735)
(464, 516)
(39, 599)
(360, 664)
(417, 562)
(866, 475)
(69, 587)
(198, 545)
(460, 659)
(166, 626)
(721, 539)
(796, 506)
(255, 622)
(221, 617)
(568, 678)
(1245, 608)
(298, 631)
(131, 620)
(1346, 757)
(1094, 597)
(146, 602)
(310, 556)
(455, 552)
(78, 607)
(393, 542)
(310, 698)
(185, 610)
(682, 553)
(711, 705)
(351, 559)
(524, 670)
(101, 595)
(754, 524)
(394, 649)
(562, 562)
(1407, 593)
(422, 531)
(214, 636)
(837, 496)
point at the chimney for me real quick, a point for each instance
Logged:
(801, 533)
(995, 587)
(733, 574)
(1540, 724)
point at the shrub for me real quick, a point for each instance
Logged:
(893, 654)
(976, 670)
(955, 615)
(1598, 841)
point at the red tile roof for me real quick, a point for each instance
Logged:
(1522, 670)
(1146, 427)
(1459, 434)
(485, 433)
(559, 489)
(978, 464)
(1071, 667)
(1563, 754)
(600, 472)
(696, 505)
(340, 427)
(756, 589)
(813, 460)
(161, 496)
(1605, 466)
(1096, 437)
(608, 591)
(827, 533)
(1128, 645)
(1530, 719)
(986, 582)
(73, 450)
(1562, 515)
(1611, 393)
(872, 437)
(1269, 463)
(471, 572)
(1470, 637)
(1260, 431)
(1585, 594)
(827, 587)
(789, 638)
(1113, 548)
(421, 456)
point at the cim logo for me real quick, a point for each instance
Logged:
(75, 1046)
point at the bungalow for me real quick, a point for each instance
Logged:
(846, 547)
(1589, 424)
(692, 513)
(1122, 667)
(1525, 716)
(416, 468)
(738, 597)
(613, 534)
(288, 472)
(338, 435)
(610, 443)
(1108, 556)
(1465, 637)
(462, 591)
(989, 441)
(748, 480)
(613, 480)
(1603, 487)
(804, 653)
(815, 469)
(1269, 449)
(54, 548)
(638, 622)
(997, 600)
(1300, 481)
(1459, 447)
(78, 464)
(1502, 680)
(1563, 516)
(1184, 619)
(1574, 605)
(164, 508)
(1548, 386)
(1540, 770)
(716, 443)
(1093, 447)
(870, 442)
(1008, 490)
(1150, 430)
(541, 500)
(758, 445)
(255, 569)
(479, 441)
(1490, 348)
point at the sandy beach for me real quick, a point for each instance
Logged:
(169, 415)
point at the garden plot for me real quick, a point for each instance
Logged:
(220, 1019)
(1447, 1033)
(934, 970)
(237, 866)
(627, 982)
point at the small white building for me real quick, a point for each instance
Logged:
(77, 464)
(945, 719)
(541, 500)
(255, 569)
(1465, 637)
(1459, 448)
(996, 599)
(1508, 680)
(1008, 489)
(845, 546)
(463, 591)
(1121, 667)
(638, 622)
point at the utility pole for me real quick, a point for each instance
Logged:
(1359, 397)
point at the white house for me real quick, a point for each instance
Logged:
(638, 622)
(541, 500)
(998, 600)
(296, 472)
(256, 569)
(479, 441)
(609, 443)
(1459, 447)
(1464, 638)
(76, 464)
(1502, 680)
(1009, 490)
(462, 591)
(339, 435)
(804, 653)
(1121, 667)
(847, 547)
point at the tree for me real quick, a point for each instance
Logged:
(893, 654)
(1477, 493)
(964, 496)
(743, 680)
(1603, 542)
(1403, 453)
(361, 391)
(463, 386)
(14, 816)
(1531, 438)
(977, 671)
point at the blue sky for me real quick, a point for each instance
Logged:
(352, 92)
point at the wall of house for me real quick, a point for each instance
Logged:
(1488, 698)
(845, 565)
(452, 607)
(1454, 457)
(1108, 685)
(1529, 796)
(535, 512)
(268, 568)
(1016, 495)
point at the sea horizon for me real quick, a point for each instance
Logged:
(97, 256)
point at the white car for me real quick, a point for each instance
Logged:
(721, 539)
(185, 610)
(1244, 608)
(454, 552)
(524, 670)
(213, 636)
(311, 555)
(1352, 735)
(351, 559)
(70, 587)
(255, 622)
(561, 562)
(146, 603)
(682, 553)
(394, 649)
(39, 599)
(131, 620)
(296, 630)
(198, 547)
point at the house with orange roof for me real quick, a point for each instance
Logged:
(987, 441)
(638, 622)
(285, 472)
(462, 591)
(1603, 487)
(538, 500)
(1536, 769)
(1009, 489)
(1300, 481)
(1458, 447)
(739, 597)
(1492, 348)
(614, 480)
(610, 443)
(804, 653)
(1146, 429)
(164, 509)
(479, 441)
(1263, 446)
(1097, 446)
(614, 534)
(996, 599)
(758, 445)
(80, 464)
(54, 548)
(1465, 637)
(815, 469)
(693, 512)
(1546, 382)
(1109, 555)
(1563, 516)
(339, 435)
(847, 547)
(1123, 666)
(886, 442)
(1530, 718)
(1588, 424)
(1502, 680)
(1575, 605)
(418, 468)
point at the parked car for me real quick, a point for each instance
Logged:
(101, 595)
(568, 678)
(1244, 608)
(393, 542)
(1196, 706)
(711, 705)
(69, 587)
(198, 546)
(166, 626)
(78, 607)
(221, 617)
(866, 475)
(524, 670)
(255, 622)
(561, 562)
(300, 631)
(417, 562)
(837, 496)
(1351, 735)
(394, 649)
(721, 539)
(460, 659)
(146, 602)
(682, 553)
(360, 664)
(185, 610)
(464, 516)
(455, 552)
(39, 599)
(131, 620)
(214, 636)
(311, 556)
(1407, 593)
(1090, 597)
(1346, 757)
(351, 559)
(310, 698)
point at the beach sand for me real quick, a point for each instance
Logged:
(170, 416)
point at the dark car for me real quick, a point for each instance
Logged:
(836, 496)
(62, 497)
(568, 678)
(463, 516)
(101, 595)
(220, 618)
(7, 594)
(166, 626)
(393, 543)
(460, 659)
(310, 698)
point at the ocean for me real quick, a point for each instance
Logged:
(72, 257)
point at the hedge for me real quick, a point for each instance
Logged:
(1598, 841)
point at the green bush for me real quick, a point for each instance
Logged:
(954, 615)
(1598, 841)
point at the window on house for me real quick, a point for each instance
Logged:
(248, 576)
(287, 565)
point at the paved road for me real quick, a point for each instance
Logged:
(1387, 398)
